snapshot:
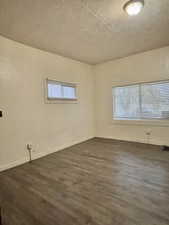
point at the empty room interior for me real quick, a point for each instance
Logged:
(84, 112)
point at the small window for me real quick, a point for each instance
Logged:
(60, 90)
(141, 101)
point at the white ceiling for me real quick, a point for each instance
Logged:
(91, 31)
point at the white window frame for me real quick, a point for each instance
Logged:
(134, 121)
(60, 100)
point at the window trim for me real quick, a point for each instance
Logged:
(138, 83)
(139, 121)
(60, 100)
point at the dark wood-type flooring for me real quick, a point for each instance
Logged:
(98, 182)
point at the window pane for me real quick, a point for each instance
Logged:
(126, 102)
(155, 100)
(54, 90)
(69, 92)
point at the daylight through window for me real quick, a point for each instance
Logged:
(141, 101)
(61, 91)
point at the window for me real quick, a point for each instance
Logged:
(60, 91)
(141, 101)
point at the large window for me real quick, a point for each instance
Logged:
(60, 90)
(141, 101)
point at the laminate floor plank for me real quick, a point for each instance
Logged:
(97, 182)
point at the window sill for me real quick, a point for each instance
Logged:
(142, 122)
(61, 101)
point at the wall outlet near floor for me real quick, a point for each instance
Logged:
(148, 132)
(148, 135)
(29, 147)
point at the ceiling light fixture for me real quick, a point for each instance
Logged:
(133, 7)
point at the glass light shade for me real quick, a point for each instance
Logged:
(134, 7)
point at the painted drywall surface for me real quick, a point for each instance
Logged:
(26, 117)
(148, 66)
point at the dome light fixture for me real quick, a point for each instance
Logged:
(133, 7)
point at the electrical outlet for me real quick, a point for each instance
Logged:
(148, 135)
(29, 147)
(148, 132)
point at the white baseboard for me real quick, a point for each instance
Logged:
(13, 164)
(62, 147)
(40, 154)
(139, 140)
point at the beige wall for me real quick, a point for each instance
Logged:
(27, 119)
(148, 66)
(51, 127)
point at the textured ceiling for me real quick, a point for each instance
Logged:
(91, 31)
